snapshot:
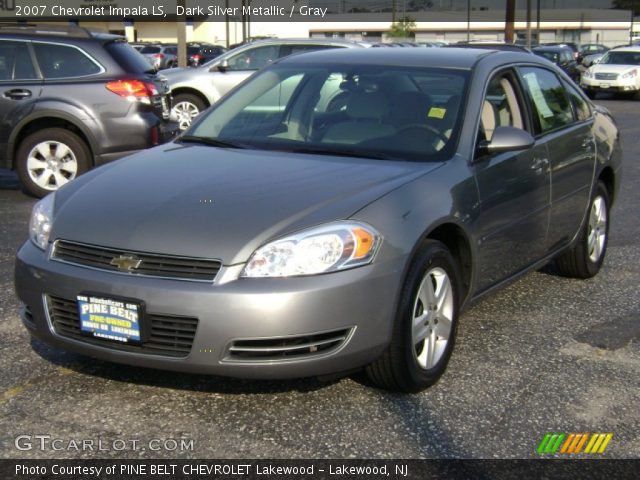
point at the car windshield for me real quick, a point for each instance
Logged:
(370, 111)
(150, 50)
(621, 58)
(548, 55)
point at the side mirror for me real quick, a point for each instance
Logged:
(507, 139)
(223, 66)
(596, 60)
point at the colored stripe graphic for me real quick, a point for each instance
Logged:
(552, 443)
(598, 442)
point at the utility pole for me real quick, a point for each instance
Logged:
(528, 23)
(510, 18)
(182, 36)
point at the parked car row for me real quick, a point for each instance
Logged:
(161, 56)
(49, 140)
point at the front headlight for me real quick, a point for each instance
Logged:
(587, 74)
(41, 221)
(327, 248)
(631, 74)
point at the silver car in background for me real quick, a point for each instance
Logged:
(195, 89)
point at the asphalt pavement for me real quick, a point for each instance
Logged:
(546, 354)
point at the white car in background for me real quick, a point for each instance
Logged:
(618, 71)
(195, 89)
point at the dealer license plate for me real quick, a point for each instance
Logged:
(604, 85)
(110, 318)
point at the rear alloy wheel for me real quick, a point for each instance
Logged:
(424, 330)
(585, 258)
(185, 108)
(50, 158)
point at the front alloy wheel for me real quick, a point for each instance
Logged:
(186, 107)
(424, 329)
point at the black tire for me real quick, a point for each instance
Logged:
(193, 100)
(583, 260)
(399, 368)
(54, 138)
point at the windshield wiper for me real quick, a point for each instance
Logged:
(343, 153)
(213, 142)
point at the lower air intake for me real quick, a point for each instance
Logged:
(283, 348)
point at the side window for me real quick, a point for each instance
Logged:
(291, 49)
(61, 61)
(254, 58)
(548, 97)
(580, 106)
(500, 107)
(15, 62)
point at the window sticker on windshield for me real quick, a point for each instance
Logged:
(435, 112)
(538, 96)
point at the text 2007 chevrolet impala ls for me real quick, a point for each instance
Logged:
(337, 211)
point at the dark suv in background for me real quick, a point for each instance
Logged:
(71, 99)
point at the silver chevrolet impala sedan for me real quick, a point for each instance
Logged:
(336, 212)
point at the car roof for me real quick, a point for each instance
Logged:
(58, 32)
(551, 49)
(489, 46)
(460, 58)
(310, 41)
(635, 49)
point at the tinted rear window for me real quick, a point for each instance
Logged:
(150, 50)
(128, 57)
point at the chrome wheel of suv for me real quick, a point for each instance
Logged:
(51, 164)
(48, 159)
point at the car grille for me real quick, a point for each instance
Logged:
(152, 265)
(283, 348)
(170, 336)
(606, 76)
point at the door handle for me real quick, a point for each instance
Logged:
(539, 164)
(587, 144)
(17, 94)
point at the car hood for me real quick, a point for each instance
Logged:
(218, 203)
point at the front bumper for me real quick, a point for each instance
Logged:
(616, 85)
(361, 301)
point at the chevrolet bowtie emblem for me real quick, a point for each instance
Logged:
(126, 263)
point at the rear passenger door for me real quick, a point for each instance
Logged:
(563, 120)
(514, 188)
(20, 86)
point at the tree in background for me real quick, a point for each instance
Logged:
(628, 5)
(402, 28)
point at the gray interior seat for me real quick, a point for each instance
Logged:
(366, 112)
